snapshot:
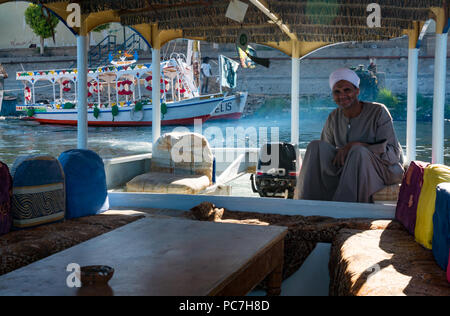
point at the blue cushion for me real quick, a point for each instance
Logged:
(38, 191)
(441, 225)
(85, 183)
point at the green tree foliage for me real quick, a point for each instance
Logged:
(397, 108)
(102, 27)
(43, 26)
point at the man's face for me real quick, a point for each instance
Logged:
(345, 94)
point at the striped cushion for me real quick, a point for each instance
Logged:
(38, 191)
(388, 193)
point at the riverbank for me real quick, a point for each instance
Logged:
(391, 59)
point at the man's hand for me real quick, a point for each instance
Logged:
(341, 156)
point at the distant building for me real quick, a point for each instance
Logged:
(15, 33)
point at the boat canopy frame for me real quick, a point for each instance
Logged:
(134, 72)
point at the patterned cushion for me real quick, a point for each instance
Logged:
(408, 198)
(383, 263)
(85, 182)
(434, 174)
(388, 193)
(5, 199)
(38, 191)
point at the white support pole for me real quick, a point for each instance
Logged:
(220, 74)
(440, 67)
(54, 93)
(34, 93)
(61, 92)
(75, 84)
(82, 91)
(295, 109)
(156, 95)
(411, 119)
(109, 94)
(98, 91)
(117, 91)
(134, 89)
(139, 87)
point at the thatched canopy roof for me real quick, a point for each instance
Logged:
(313, 22)
(309, 20)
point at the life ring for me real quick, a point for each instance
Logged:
(125, 87)
(92, 88)
(180, 87)
(66, 86)
(27, 93)
(136, 115)
(148, 83)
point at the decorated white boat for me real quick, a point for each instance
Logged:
(120, 95)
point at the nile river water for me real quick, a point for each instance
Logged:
(24, 138)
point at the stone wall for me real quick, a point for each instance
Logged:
(391, 59)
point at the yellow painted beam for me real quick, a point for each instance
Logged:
(145, 30)
(96, 19)
(156, 39)
(169, 35)
(306, 48)
(413, 34)
(284, 46)
(439, 15)
(296, 49)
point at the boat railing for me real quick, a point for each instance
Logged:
(184, 76)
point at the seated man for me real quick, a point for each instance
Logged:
(358, 153)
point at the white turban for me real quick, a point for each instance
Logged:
(344, 74)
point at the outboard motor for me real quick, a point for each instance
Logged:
(276, 174)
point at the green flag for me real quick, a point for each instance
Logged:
(228, 72)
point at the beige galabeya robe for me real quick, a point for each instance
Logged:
(366, 169)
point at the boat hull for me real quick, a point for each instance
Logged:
(178, 113)
(231, 108)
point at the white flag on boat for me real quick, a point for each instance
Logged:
(228, 71)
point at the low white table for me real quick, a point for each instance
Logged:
(160, 256)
